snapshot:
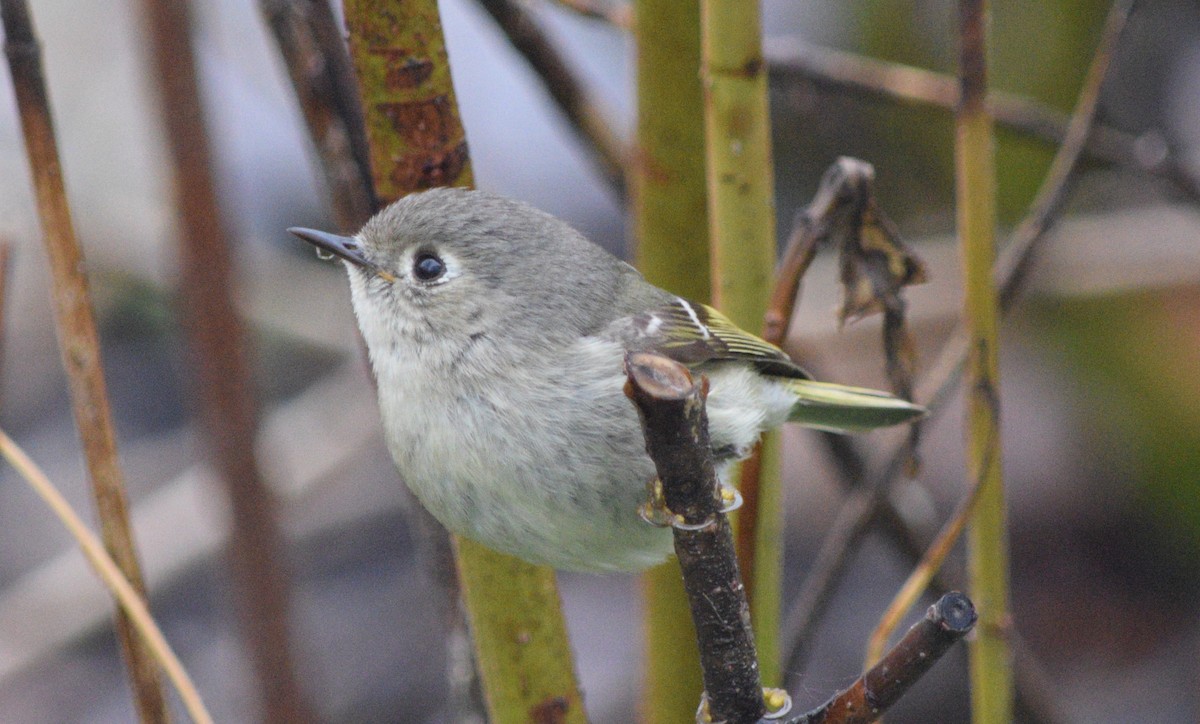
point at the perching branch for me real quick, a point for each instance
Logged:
(77, 339)
(564, 87)
(946, 621)
(671, 407)
(318, 64)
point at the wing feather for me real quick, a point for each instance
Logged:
(694, 334)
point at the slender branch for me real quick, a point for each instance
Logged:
(123, 591)
(946, 621)
(580, 108)
(921, 575)
(792, 57)
(5, 277)
(619, 14)
(77, 339)
(318, 64)
(671, 407)
(221, 371)
(804, 613)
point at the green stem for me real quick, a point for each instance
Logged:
(742, 227)
(417, 141)
(670, 222)
(991, 665)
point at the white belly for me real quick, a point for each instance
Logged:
(553, 475)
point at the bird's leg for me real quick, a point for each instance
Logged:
(654, 511)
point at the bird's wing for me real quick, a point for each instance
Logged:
(694, 334)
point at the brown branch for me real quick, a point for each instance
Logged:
(843, 213)
(790, 57)
(564, 88)
(77, 339)
(671, 407)
(221, 371)
(946, 621)
(318, 64)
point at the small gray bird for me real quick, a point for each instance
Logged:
(497, 334)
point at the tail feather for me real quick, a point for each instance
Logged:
(840, 408)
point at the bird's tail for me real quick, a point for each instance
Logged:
(841, 408)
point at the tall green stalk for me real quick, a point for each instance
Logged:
(991, 669)
(417, 141)
(742, 227)
(670, 221)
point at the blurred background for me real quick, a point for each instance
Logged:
(1100, 366)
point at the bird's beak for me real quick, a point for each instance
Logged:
(344, 247)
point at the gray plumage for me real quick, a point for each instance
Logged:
(497, 335)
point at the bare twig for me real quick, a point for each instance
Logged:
(5, 257)
(221, 373)
(319, 65)
(806, 609)
(843, 212)
(838, 70)
(564, 88)
(947, 621)
(122, 590)
(78, 343)
(671, 407)
(921, 575)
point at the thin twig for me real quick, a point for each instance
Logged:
(619, 14)
(5, 257)
(671, 407)
(318, 64)
(77, 338)
(221, 370)
(805, 611)
(841, 207)
(791, 57)
(580, 108)
(122, 590)
(921, 575)
(941, 379)
(944, 624)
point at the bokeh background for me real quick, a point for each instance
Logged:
(1100, 366)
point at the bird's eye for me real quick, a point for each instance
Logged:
(428, 267)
